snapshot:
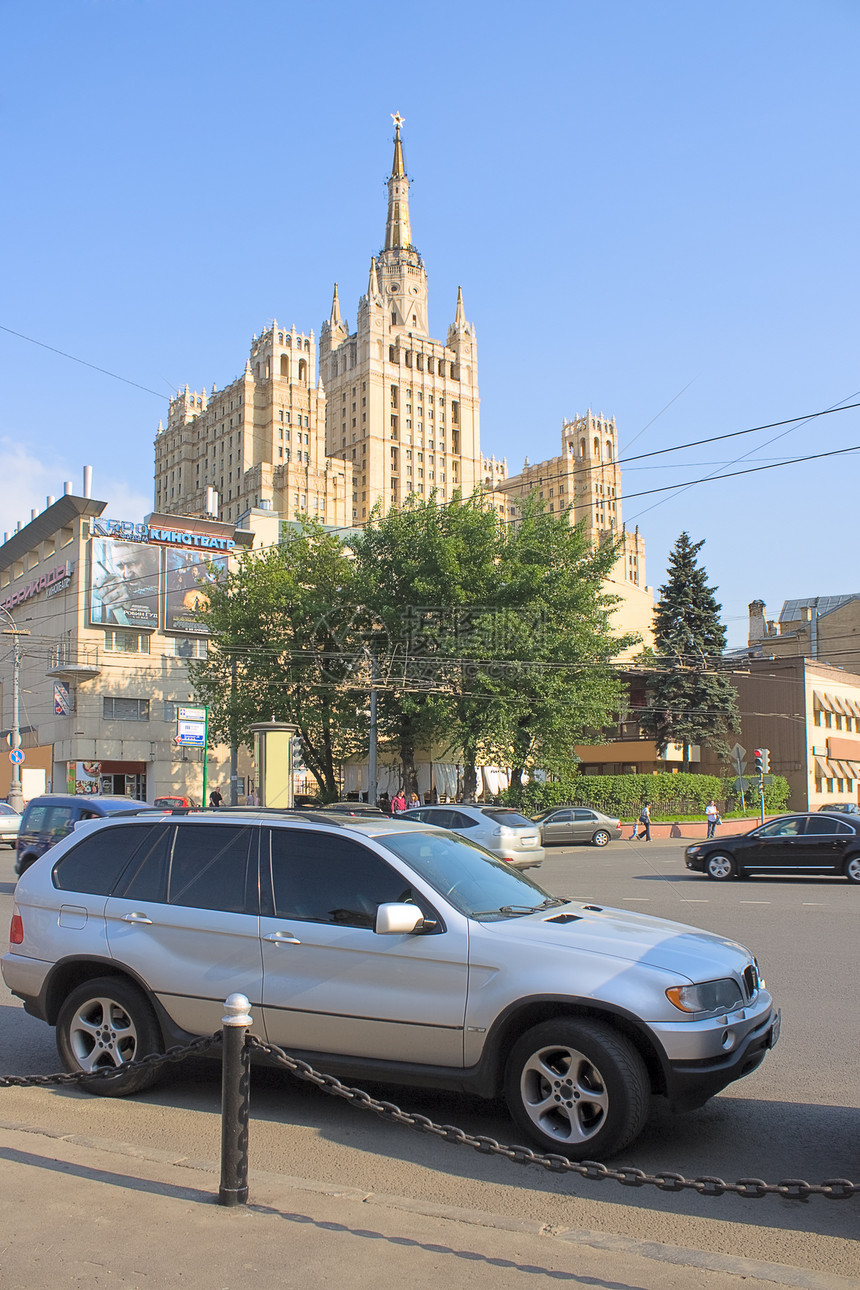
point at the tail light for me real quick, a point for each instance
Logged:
(16, 930)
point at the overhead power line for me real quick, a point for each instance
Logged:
(95, 367)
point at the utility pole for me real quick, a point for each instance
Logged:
(16, 794)
(372, 794)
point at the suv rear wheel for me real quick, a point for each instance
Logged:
(577, 1088)
(104, 1024)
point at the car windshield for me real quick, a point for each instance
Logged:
(512, 819)
(6, 810)
(472, 880)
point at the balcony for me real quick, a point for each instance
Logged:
(73, 663)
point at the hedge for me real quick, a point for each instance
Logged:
(623, 795)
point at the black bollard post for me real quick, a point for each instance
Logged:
(235, 1102)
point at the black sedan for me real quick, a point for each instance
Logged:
(809, 844)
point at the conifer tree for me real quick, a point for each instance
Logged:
(690, 699)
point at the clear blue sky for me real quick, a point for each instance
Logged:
(634, 196)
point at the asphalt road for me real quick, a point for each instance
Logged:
(796, 1117)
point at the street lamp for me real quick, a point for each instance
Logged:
(16, 795)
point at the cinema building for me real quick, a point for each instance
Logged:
(102, 613)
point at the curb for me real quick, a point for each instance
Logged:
(682, 1256)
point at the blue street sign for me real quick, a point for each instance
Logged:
(16, 756)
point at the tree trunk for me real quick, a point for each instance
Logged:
(470, 781)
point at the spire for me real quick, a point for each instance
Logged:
(459, 316)
(372, 281)
(398, 170)
(398, 235)
(334, 316)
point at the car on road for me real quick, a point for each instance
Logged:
(49, 818)
(849, 808)
(806, 845)
(10, 823)
(384, 950)
(501, 830)
(174, 803)
(577, 824)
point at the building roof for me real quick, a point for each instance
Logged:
(790, 612)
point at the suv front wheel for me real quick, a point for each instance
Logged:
(104, 1024)
(577, 1088)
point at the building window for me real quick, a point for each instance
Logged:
(119, 641)
(125, 709)
(190, 646)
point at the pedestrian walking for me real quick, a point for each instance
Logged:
(252, 799)
(215, 798)
(644, 823)
(414, 802)
(398, 803)
(712, 816)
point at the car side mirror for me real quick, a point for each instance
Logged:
(396, 919)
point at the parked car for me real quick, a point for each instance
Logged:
(174, 803)
(386, 950)
(850, 808)
(811, 843)
(352, 808)
(577, 824)
(10, 823)
(49, 818)
(499, 829)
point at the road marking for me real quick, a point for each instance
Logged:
(821, 904)
(696, 900)
(753, 902)
(637, 898)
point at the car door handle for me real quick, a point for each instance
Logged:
(282, 938)
(136, 918)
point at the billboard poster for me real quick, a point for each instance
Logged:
(188, 573)
(125, 584)
(83, 777)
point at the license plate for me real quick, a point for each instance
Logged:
(528, 842)
(773, 1037)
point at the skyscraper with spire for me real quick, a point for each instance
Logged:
(401, 408)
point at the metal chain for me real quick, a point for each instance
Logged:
(178, 1054)
(751, 1188)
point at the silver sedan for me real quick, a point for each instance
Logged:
(504, 832)
(577, 824)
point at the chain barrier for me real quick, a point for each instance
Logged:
(749, 1188)
(196, 1047)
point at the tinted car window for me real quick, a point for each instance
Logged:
(456, 820)
(780, 828)
(323, 879)
(821, 824)
(512, 819)
(146, 877)
(208, 867)
(96, 863)
(584, 815)
(558, 817)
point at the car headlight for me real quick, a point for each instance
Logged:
(708, 996)
(693, 851)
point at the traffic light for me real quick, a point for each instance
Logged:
(762, 761)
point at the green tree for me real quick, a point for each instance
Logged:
(285, 644)
(422, 571)
(690, 699)
(501, 633)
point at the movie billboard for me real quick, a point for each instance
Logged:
(189, 572)
(125, 584)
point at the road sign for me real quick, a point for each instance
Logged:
(192, 734)
(192, 714)
(16, 756)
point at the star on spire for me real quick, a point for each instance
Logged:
(398, 120)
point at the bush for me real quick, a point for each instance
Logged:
(623, 795)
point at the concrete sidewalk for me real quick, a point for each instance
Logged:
(82, 1211)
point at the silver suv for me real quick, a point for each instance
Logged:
(382, 949)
